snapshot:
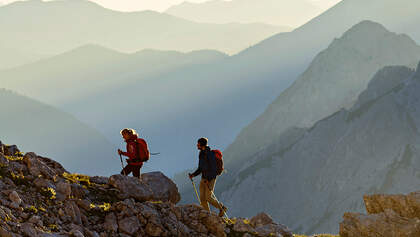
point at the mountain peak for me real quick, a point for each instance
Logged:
(365, 28)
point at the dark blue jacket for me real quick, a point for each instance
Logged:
(207, 166)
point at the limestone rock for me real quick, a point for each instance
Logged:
(64, 188)
(387, 223)
(242, 226)
(131, 187)
(111, 224)
(162, 187)
(260, 220)
(38, 200)
(388, 215)
(14, 197)
(129, 225)
(11, 150)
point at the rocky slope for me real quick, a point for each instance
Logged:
(40, 198)
(388, 215)
(314, 176)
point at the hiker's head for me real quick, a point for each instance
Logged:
(128, 133)
(202, 143)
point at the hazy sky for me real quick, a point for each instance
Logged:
(162, 5)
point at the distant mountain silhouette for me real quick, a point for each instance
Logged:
(275, 12)
(50, 132)
(10, 58)
(92, 69)
(54, 27)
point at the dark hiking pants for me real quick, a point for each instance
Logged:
(135, 169)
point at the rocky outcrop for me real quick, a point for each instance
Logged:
(40, 198)
(388, 215)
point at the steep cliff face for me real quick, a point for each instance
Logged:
(333, 81)
(310, 182)
(40, 198)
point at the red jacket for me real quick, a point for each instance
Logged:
(132, 153)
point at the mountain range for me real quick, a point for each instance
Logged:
(111, 90)
(50, 132)
(274, 12)
(54, 27)
(333, 81)
(317, 174)
(245, 84)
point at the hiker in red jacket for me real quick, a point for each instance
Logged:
(137, 152)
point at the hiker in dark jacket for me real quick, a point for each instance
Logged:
(137, 152)
(207, 167)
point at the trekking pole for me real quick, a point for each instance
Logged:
(122, 165)
(196, 193)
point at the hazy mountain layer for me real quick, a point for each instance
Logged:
(12, 58)
(217, 99)
(275, 12)
(110, 91)
(333, 81)
(372, 147)
(91, 69)
(54, 27)
(53, 133)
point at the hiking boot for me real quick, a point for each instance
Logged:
(222, 211)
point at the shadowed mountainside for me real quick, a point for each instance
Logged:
(51, 132)
(370, 148)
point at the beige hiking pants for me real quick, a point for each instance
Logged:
(206, 197)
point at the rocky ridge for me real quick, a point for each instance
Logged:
(388, 215)
(39, 197)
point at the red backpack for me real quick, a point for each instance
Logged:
(142, 150)
(219, 161)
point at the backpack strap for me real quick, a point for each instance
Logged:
(138, 158)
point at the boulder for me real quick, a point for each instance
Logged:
(152, 187)
(405, 205)
(129, 225)
(131, 187)
(260, 220)
(242, 225)
(37, 167)
(11, 150)
(14, 197)
(387, 223)
(163, 188)
(388, 215)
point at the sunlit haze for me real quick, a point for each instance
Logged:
(162, 5)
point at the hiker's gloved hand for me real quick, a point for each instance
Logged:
(190, 175)
(120, 152)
